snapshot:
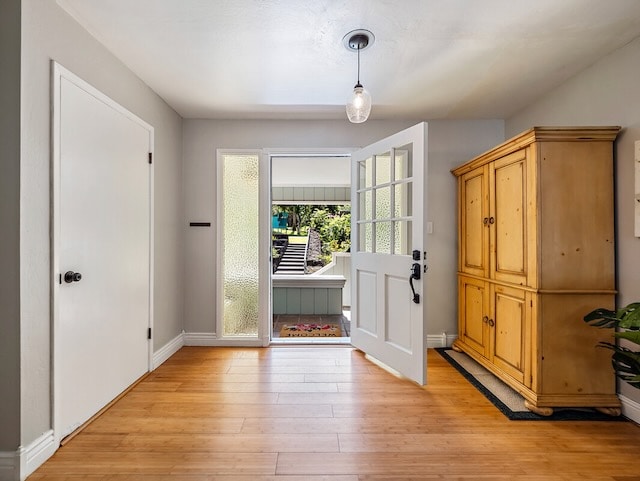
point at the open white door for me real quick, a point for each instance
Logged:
(387, 241)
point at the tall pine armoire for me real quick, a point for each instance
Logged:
(536, 253)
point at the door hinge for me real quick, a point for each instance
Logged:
(150, 157)
(149, 333)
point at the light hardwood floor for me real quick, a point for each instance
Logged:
(326, 413)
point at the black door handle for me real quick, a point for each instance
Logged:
(415, 274)
(71, 276)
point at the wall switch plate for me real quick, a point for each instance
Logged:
(429, 227)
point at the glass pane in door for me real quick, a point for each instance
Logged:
(383, 203)
(366, 205)
(402, 200)
(403, 160)
(366, 237)
(383, 237)
(402, 237)
(365, 173)
(383, 168)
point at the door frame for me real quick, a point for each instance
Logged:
(58, 72)
(268, 154)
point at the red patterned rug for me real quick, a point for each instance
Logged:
(311, 330)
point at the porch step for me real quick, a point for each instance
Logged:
(292, 262)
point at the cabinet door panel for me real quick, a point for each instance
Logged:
(474, 228)
(508, 219)
(473, 312)
(510, 334)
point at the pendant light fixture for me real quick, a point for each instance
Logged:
(359, 104)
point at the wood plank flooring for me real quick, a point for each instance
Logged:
(326, 413)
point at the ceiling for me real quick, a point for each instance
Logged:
(284, 59)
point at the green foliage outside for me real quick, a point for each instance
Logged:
(334, 229)
(332, 222)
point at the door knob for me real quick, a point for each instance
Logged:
(71, 276)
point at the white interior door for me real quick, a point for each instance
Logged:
(388, 205)
(102, 227)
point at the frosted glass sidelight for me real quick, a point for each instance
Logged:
(403, 159)
(383, 168)
(240, 244)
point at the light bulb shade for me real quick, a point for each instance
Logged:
(359, 105)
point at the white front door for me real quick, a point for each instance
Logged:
(101, 244)
(388, 239)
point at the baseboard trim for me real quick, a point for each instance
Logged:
(441, 340)
(8, 468)
(211, 340)
(168, 350)
(34, 455)
(199, 339)
(630, 408)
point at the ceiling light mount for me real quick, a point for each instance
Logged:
(359, 104)
(358, 40)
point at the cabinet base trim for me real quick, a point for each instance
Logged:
(540, 401)
(540, 411)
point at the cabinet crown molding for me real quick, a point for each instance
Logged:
(541, 134)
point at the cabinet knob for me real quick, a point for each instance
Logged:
(485, 221)
(491, 323)
(491, 220)
(485, 319)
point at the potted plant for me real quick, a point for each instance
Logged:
(626, 362)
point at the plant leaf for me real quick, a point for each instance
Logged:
(633, 336)
(602, 318)
(629, 316)
(625, 362)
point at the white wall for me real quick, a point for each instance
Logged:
(607, 93)
(201, 139)
(10, 224)
(49, 33)
(450, 143)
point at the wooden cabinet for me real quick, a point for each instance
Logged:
(536, 253)
(495, 323)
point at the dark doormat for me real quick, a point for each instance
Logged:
(508, 401)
